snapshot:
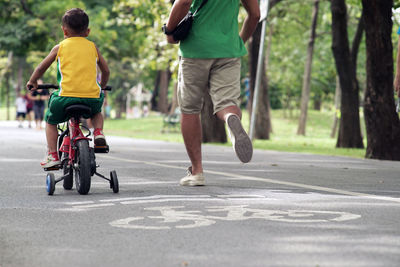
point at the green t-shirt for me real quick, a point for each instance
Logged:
(215, 31)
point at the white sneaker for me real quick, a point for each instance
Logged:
(240, 140)
(192, 180)
(50, 161)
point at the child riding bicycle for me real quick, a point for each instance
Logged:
(77, 61)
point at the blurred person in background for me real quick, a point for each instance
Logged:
(39, 98)
(20, 104)
(29, 108)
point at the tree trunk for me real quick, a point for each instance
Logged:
(120, 109)
(7, 79)
(174, 103)
(165, 77)
(213, 128)
(266, 63)
(382, 122)
(263, 126)
(336, 116)
(305, 93)
(6, 76)
(338, 93)
(349, 129)
(20, 82)
(357, 41)
(263, 121)
(154, 96)
(317, 102)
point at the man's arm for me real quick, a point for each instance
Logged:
(105, 71)
(42, 67)
(252, 19)
(178, 12)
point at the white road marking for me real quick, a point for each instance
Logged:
(153, 197)
(204, 161)
(89, 205)
(321, 160)
(241, 196)
(181, 218)
(267, 180)
(79, 203)
(132, 183)
(145, 183)
(17, 160)
(168, 200)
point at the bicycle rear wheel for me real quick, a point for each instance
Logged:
(82, 171)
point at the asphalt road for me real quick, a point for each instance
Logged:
(282, 209)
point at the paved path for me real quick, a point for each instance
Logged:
(282, 209)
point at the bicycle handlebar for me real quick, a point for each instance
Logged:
(55, 86)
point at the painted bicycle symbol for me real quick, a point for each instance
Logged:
(178, 217)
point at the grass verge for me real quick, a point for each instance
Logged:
(283, 138)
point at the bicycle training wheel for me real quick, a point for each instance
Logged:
(114, 182)
(50, 183)
(82, 171)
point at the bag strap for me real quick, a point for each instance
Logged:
(202, 4)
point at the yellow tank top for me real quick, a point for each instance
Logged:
(77, 68)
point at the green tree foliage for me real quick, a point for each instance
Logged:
(141, 45)
(290, 25)
(128, 33)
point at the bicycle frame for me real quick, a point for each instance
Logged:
(74, 134)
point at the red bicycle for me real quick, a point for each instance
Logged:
(77, 156)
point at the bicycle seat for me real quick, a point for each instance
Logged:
(77, 110)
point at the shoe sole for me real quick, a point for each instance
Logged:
(243, 146)
(46, 166)
(192, 184)
(100, 142)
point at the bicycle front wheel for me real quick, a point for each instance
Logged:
(67, 169)
(82, 169)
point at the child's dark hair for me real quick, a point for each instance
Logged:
(76, 19)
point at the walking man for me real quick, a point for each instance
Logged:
(210, 63)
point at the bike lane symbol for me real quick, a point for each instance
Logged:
(177, 217)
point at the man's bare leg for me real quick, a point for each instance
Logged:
(240, 140)
(228, 110)
(191, 132)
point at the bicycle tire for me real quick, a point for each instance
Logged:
(50, 183)
(68, 181)
(82, 171)
(114, 181)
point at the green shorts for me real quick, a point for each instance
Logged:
(55, 113)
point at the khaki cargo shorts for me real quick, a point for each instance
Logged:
(220, 77)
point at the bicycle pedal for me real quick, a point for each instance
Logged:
(101, 149)
(54, 168)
